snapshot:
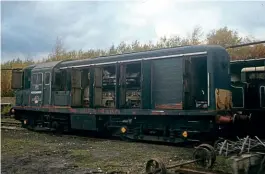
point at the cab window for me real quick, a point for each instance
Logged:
(39, 80)
(34, 79)
(47, 78)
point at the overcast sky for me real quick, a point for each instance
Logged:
(31, 28)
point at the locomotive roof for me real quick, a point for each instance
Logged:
(253, 69)
(46, 65)
(30, 67)
(238, 65)
(128, 56)
(142, 54)
(248, 61)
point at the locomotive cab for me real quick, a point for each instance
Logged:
(254, 77)
(16, 81)
(20, 82)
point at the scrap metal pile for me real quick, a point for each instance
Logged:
(244, 145)
(205, 155)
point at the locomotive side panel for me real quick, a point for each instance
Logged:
(61, 98)
(61, 85)
(146, 84)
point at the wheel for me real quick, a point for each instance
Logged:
(204, 157)
(211, 149)
(57, 127)
(155, 166)
(124, 138)
(216, 143)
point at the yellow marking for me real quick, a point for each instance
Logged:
(223, 99)
(185, 134)
(123, 130)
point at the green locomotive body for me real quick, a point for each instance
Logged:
(175, 94)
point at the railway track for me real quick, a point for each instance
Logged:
(10, 124)
(193, 171)
(179, 171)
(3, 116)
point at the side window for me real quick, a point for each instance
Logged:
(39, 80)
(34, 79)
(47, 78)
(58, 79)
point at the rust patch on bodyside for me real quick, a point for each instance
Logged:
(223, 99)
(72, 110)
(108, 111)
(158, 113)
(223, 119)
(170, 106)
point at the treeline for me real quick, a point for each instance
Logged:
(223, 36)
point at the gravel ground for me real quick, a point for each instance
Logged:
(11, 100)
(31, 152)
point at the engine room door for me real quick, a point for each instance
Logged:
(47, 88)
(166, 83)
(122, 85)
(187, 83)
(97, 86)
(76, 93)
(195, 82)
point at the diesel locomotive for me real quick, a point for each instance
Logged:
(248, 94)
(169, 95)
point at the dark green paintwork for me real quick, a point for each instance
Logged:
(238, 91)
(91, 88)
(146, 84)
(41, 92)
(84, 122)
(217, 67)
(61, 98)
(167, 89)
(173, 121)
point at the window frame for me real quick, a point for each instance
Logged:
(37, 78)
(34, 81)
(243, 95)
(45, 74)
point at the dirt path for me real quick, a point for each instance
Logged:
(31, 152)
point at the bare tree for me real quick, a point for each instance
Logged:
(196, 36)
(58, 50)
